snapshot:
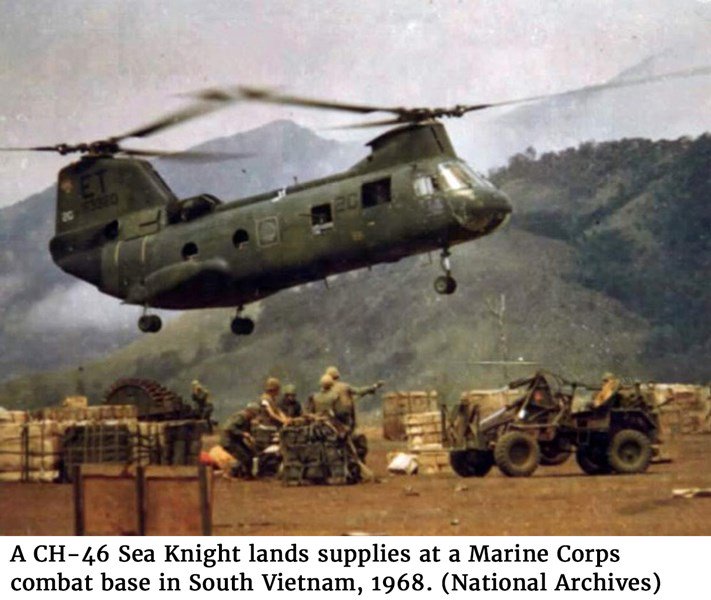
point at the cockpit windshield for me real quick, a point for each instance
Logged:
(459, 175)
(450, 176)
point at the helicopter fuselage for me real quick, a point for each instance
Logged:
(411, 195)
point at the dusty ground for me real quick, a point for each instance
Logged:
(556, 500)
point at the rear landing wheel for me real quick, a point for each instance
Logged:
(150, 323)
(445, 284)
(242, 326)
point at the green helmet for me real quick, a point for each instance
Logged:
(289, 389)
(608, 376)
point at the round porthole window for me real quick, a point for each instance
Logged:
(190, 250)
(240, 238)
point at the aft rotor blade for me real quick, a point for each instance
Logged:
(269, 96)
(189, 155)
(171, 120)
(622, 83)
(33, 149)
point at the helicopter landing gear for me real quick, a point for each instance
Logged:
(445, 284)
(241, 325)
(149, 323)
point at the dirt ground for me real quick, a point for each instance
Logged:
(555, 501)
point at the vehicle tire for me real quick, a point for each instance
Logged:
(242, 326)
(592, 463)
(517, 454)
(552, 455)
(445, 284)
(630, 451)
(471, 463)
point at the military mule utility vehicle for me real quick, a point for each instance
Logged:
(541, 427)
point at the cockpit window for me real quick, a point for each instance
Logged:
(459, 175)
(424, 185)
(476, 177)
(452, 177)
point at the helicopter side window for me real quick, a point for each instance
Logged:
(424, 185)
(321, 218)
(376, 192)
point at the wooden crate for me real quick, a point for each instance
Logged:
(398, 405)
(153, 500)
(433, 462)
(424, 429)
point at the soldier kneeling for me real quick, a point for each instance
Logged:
(238, 441)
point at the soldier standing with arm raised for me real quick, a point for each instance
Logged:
(347, 394)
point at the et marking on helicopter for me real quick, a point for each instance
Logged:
(121, 228)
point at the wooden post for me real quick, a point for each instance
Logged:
(205, 507)
(78, 500)
(141, 499)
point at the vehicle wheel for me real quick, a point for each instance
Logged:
(592, 463)
(471, 463)
(630, 451)
(242, 326)
(150, 323)
(445, 284)
(552, 455)
(517, 454)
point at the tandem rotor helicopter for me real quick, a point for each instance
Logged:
(120, 227)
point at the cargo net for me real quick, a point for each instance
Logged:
(44, 450)
(315, 451)
(131, 443)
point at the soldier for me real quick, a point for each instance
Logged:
(288, 404)
(345, 409)
(201, 398)
(269, 402)
(610, 386)
(324, 402)
(238, 441)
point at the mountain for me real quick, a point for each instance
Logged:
(660, 110)
(603, 267)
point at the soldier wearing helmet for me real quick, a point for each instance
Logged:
(269, 402)
(345, 409)
(610, 386)
(324, 401)
(288, 404)
(238, 441)
(201, 397)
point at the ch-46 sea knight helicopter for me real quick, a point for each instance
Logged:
(121, 228)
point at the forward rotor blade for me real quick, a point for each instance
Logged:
(366, 125)
(188, 155)
(622, 83)
(268, 96)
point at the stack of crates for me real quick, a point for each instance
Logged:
(316, 452)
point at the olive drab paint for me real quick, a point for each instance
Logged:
(122, 229)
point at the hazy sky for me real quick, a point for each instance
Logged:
(78, 70)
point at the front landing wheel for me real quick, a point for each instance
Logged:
(242, 326)
(445, 284)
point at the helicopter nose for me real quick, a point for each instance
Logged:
(498, 201)
(481, 210)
